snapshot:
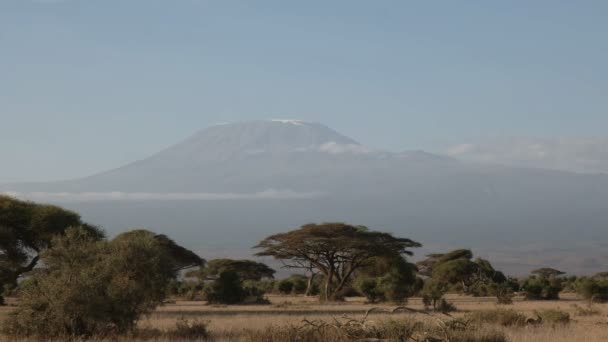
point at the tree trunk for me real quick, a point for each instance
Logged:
(330, 276)
(310, 284)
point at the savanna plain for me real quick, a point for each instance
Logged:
(301, 318)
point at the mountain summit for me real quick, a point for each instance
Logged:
(252, 178)
(242, 139)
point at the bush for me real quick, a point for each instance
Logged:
(227, 289)
(541, 288)
(368, 287)
(505, 318)
(594, 290)
(285, 286)
(300, 283)
(432, 292)
(91, 287)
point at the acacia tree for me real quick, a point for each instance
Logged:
(544, 283)
(337, 250)
(245, 269)
(477, 277)
(182, 258)
(26, 229)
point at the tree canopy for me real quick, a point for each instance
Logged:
(336, 250)
(547, 272)
(26, 229)
(245, 269)
(458, 269)
(180, 257)
(92, 287)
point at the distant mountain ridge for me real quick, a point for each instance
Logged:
(250, 179)
(222, 157)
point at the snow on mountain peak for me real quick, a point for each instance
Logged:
(289, 121)
(333, 147)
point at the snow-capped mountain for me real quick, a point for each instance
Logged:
(250, 179)
(248, 156)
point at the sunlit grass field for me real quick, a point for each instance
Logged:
(227, 323)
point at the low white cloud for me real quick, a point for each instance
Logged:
(460, 149)
(333, 147)
(155, 196)
(574, 154)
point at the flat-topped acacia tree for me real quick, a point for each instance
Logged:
(337, 250)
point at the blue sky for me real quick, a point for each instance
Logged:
(87, 85)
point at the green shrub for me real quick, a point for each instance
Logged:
(432, 292)
(90, 287)
(593, 290)
(541, 288)
(227, 289)
(285, 286)
(300, 283)
(369, 288)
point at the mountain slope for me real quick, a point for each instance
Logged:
(255, 178)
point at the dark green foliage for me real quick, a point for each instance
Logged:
(388, 278)
(226, 289)
(188, 290)
(433, 292)
(368, 287)
(540, 288)
(547, 272)
(93, 287)
(294, 284)
(245, 269)
(234, 281)
(594, 289)
(285, 286)
(183, 258)
(543, 284)
(457, 271)
(400, 282)
(262, 286)
(300, 283)
(26, 229)
(503, 292)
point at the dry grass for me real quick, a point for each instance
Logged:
(229, 323)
